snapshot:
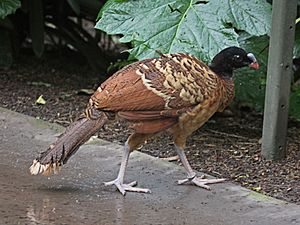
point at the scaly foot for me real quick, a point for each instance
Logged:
(201, 181)
(127, 187)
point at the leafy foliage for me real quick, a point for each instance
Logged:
(295, 92)
(53, 20)
(201, 28)
(297, 40)
(250, 85)
(8, 7)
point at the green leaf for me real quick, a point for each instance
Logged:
(168, 26)
(75, 6)
(251, 16)
(106, 6)
(200, 28)
(297, 41)
(8, 7)
(36, 18)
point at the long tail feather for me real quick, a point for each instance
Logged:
(67, 144)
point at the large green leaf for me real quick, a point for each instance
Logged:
(200, 28)
(167, 26)
(8, 7)
(106, 6)
(252, 16)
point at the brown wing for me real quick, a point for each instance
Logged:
(173, 81)
(125, 91)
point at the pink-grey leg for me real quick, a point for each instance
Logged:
(198, 181)
(119, 181)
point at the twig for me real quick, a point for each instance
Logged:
(61, 121)
(171, 158)
(230, 135)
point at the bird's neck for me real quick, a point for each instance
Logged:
(222, 70)
(224, 74)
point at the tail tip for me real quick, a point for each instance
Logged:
(47, 169)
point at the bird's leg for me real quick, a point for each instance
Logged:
(119, 181)
(192, 176)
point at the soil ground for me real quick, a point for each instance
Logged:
(226, 146)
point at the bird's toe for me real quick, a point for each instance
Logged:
(201, 182)
(127, 187)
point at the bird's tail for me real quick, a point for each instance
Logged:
(67, 144)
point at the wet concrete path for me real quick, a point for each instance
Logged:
(77, 195)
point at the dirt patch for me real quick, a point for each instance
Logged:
(226, 146)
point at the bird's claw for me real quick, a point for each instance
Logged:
(127, 187)
(201, 181)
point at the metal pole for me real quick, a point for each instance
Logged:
(279, 79)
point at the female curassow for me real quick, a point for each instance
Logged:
(175, 92)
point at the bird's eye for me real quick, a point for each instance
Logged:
(237, 58)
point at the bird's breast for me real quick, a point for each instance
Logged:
(195, 118)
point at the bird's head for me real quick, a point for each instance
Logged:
(232, 58)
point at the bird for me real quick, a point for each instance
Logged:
(175, 93)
